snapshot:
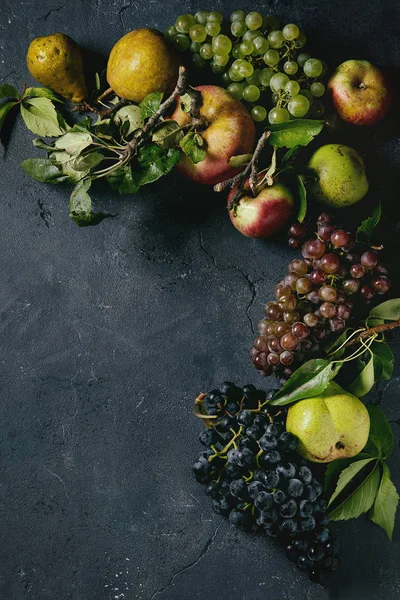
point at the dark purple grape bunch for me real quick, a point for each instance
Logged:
(256, 479)
(317, 298)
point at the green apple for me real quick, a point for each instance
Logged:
(333, 425)
(341, 178)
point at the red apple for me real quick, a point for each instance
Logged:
(264, 215)
(229, 130)
(360, 92)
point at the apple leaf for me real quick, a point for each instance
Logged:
(354, 501)
(380, 433)
(167, 134)
(389, 310)
(365, 380)
(192, 145)
(73, 143)
(150, 105)
(124, 180)
(298, 132)
(80, 207)
(240, 160)
(364, 231)
(308, 380)
(43, 170)
(384, 509)
(302, 193)
(129, 116)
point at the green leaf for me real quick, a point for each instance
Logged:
(74, 175)
(4, 110)
(87, 161)
(380, 432)
(383, 352)
(364, 231)
(156, 162)
(359, 500)
(298, 132)
(124, 180)
(150, 105)
(80, 206)
(308, 380)
(389, 310)
(302, 192)
(290, 155)
(364, 381)
(132, 116)
(97, 83)
(333, 471)
(41, 92)
(167, 134)
(39, 143)
(384, 509)
(8, 91)
(40, 117)
(332, 347)
(192, 147)
(240, 160)
(185, 102)
(43, 170)
(73, 143)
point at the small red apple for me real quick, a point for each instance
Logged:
(264, 215)
(360, 92)
(229, 130)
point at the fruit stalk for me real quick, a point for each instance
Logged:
(373, 331)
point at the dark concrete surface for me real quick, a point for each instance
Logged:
(108, 333)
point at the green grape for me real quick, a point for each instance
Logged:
(275, 99)
(258, 113)
(213, 28)
(170, 32)
(278, 82)
(201, 17)
(236, 51)
(215, 17)
(271, 58)
(206, 51)
(278, 115)
(291, 32)
(298, 106)
(301, 41)
(308, 95)
(312, 67)
(261, 45)
(225, 78)
(292, 88)
(216, 68)
(238, 28)
(317, 89)
(184, 22)
(254, 79)
(221, 45)
(290, 67)
(254, 20)
(221, 60)
(195, 47)
(276, 39)
(198, 61)
(246, 69)
(181, 42)
(303, 58)
(197, 33)
(265, 77)
(236, 89)
(249, 36)
(251, 93)
(234, 74)
(246, 48)
(237, 15)
(271, 23)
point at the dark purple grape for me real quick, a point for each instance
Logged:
(298, 230)
(340, 238)
(381, 285)
(330, 263)
(313, 249)
(369, 259)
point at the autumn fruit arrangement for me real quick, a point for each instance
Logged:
(289, 462)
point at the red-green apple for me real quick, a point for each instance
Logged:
(229, 131)
(360, 92)
(264, 215)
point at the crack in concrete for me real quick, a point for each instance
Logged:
(56, 10)
(122, 10)
(204, 551)
(44, 213)
(250, 282)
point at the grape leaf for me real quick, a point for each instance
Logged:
(380, 433)
(43, 170)
(150, 105)
(8, 91)
(302, 193)
(73, 143)
(4, 110)
(389, 310)
(333, 471)
(298, 132)
(364, 231)
(40, 117)
(360, 499)
(240, 160)
(192, 144)
(382, 351)
(364, 381)
(167, 134)
(308, 380)
(384, 509)
(41, 93)
(80, 206)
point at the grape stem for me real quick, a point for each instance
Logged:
(250, 170)
(373, 331)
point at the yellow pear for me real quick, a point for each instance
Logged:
(141, 62)
(333, 425)
(55, 61)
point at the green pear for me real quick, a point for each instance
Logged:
(341, 178)
(333, 425)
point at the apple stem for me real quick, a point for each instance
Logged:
(373, 331)
(238, 180)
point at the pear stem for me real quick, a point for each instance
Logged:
(374, 330)
(106, 93)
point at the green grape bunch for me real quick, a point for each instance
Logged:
(260, 64)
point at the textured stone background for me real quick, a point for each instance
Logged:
(108, 333)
